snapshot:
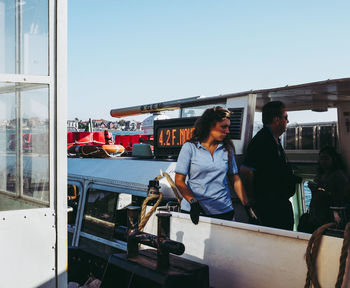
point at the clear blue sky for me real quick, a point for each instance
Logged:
(125, 53)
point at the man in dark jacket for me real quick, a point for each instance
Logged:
(268, 178)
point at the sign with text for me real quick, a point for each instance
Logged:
(171, 134)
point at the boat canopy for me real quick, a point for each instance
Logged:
(316, 96)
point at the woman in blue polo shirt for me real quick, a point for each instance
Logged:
(208, 161)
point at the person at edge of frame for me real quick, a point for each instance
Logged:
(265, 172)
(208, 161)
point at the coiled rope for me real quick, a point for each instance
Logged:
(172, 185)
(312, 252)
(311, 255)
(145, 217)
(343, 256)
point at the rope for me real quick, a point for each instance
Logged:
(98, 150)
(145, 217)
(343, 256)
(311, 255)
(89, 153)
(172, 185)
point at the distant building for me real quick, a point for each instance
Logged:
(131, 125)
(73, 124)
(102, 124)
(111, 125)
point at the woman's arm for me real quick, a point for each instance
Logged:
(181, 185)
(188, 195)
(239, 188)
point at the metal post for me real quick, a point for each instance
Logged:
(163, 234)
(133, 224)
(18, 96)
(153, 187)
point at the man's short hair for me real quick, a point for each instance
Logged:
(271, 110)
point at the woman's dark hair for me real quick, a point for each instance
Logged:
(337, 161)
(271, 110)
(207, 121)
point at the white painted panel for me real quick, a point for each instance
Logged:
(28, 250)
(123, 170)
(242, 255)
(248, 103)
(344, 131)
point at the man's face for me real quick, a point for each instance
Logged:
(283, 121)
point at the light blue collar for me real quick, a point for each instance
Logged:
(199, 145)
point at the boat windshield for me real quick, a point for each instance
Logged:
(197, 110)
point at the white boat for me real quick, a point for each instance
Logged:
(238, 254)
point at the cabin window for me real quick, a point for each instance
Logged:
(307, 195)
(104, 210)
(290, 140)
(24, 106)
(24, 149)
(99, 213)
(327, 135)
(307, 138)
(24, 37)
(197, 111)
(124, 201)
(73, 192)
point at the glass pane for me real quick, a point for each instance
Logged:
(24, 155)
(35, 143)
(24, 29)
(99, 213)
(290, 139)
(8, 163)
(307, 193)
(7, 36)
(327, 136)
(307, 138)
(73, 202)
(124, 201)
(197, 111)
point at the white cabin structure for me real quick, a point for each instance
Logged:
(33, 166)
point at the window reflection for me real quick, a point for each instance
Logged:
(196, 111)
(104, 209)
(73, 192)
(24, 150)
(24, 30)
(8, 173)
(99, 213)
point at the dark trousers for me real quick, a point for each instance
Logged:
(224, 216)
(277, 215)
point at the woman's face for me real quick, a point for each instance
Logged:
(325, 161)
(220, 130)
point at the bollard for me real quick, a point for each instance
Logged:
(161, 242)
(163, 235)
(153, 187)
(133, 224)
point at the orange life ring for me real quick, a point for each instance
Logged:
(110, 148)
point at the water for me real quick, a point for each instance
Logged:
(114, 132)
(307, 193)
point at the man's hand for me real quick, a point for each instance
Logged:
(253, 218)
(195, 211)
(297, 179)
